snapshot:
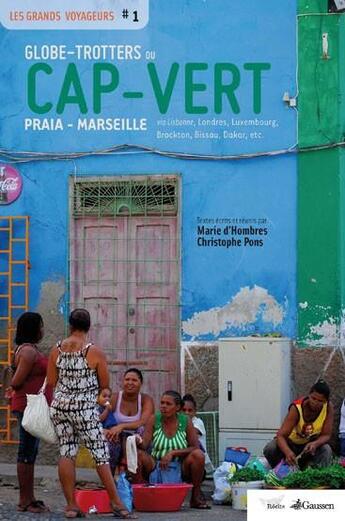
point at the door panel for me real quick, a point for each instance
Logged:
(156, 382)
(153, 295)
(152, 325)
(101, 246)
(124, 270)
(107, 317)
(152, 253)
(100, 280)
(155, 334)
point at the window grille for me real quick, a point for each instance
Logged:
(107, 197)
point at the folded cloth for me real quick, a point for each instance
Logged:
(131, 453)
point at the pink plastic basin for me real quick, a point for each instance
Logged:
(160, 498)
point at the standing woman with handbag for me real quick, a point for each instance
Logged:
(30, 369)
(78, 370)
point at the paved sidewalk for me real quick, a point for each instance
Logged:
(48, 488)
(45, 473)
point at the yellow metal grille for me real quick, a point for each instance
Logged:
(14, 297)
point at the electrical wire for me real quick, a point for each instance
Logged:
(21, 156)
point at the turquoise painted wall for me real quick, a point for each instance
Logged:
(235, 290)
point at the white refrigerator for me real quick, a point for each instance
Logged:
(254, 391)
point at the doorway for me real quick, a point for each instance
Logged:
(124, 268)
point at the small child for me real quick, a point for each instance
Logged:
(106, 414)
(107, 418)
(189, 408)
(342, 430)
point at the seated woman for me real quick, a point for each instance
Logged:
(305, 432)
(173, 436)
(132, 409)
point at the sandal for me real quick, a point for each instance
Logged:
(73, 513)
(200, 505)
(35, 507)
(122, 513)
(40, 503)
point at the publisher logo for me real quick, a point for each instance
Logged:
(10, 184)
(297, 505)
(308, 505)
(285, 505)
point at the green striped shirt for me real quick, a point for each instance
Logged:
(162, 444)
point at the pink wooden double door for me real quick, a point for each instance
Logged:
(124, 270)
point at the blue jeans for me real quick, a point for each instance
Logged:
(28, 445)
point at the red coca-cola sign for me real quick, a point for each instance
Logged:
(10, 184)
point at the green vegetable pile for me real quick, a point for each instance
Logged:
(247, 474)
(272, 480)
(332, 477)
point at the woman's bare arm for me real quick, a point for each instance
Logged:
(52, 371)
(25, 362)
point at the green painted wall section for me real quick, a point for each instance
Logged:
(318, 246)
(321, 184)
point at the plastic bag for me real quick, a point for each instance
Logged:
(172, 474)
(259, 464)
(283, 469)
(124, 490)
(36, 419)
(222, 488)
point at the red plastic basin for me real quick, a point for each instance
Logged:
(93, 498)
(160, 498)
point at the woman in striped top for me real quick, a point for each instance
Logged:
(172, 436)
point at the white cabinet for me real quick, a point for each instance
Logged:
(254, 390)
